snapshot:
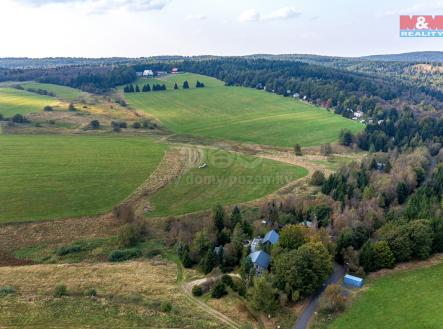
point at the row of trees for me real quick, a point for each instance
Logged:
(146, 88)
(158, 87)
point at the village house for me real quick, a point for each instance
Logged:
(260, 258)
(261, 261)
(148, 73)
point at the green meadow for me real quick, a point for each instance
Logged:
(50, 177)
(61, 92)
(410, 299)
(229, 178)
(238, 114)
(14, 101)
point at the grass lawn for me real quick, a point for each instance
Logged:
(50, 177)
(14, 101)
(228, 179)
(410, 299)
(129, 295)
(61, 92)
(239, 114)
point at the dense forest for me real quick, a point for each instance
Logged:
(95, 79)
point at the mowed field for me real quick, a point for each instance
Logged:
(14, 101)
(50, 177)
(238, 114)
(61, 92)
(129, 295)
(229, 178)
(410, 299)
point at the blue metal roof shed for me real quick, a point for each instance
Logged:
(353, 281)
(260, 258)
(272, 237)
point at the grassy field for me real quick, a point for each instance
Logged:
(410, 299)
(229, 178)
(61, 92)
(14, 101)
(239, 114)
(129, 295)
(46, 177)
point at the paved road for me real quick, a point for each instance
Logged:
(308, 312)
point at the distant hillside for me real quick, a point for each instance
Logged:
(419, 56)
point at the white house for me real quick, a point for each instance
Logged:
(148, 73)
(358, 114)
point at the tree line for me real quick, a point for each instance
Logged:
(158, 87)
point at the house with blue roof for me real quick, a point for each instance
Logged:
(261, 261)
(271, 237)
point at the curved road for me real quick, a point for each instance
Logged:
(308, 312)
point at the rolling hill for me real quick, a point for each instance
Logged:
(238, 114)
(14, 101)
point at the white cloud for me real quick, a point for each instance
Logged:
(249, 16)
(282, 13)
(417, 9)
(102, 6)
(279, 14)
(196, 17)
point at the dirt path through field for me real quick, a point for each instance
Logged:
(176, 162)
(186, 288)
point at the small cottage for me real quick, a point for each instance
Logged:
(261, 261)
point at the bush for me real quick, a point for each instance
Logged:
(166, 307)
(7, 290)
(90, 292)
(129, 235)
(154, 252)
(51, 122)
(48, 108)
(317, 178)
(119, 124)
(227, 280)
(333, 300)
(297, 150)
(60, 291)
(62, 251)
(122, 255)
(95, 124)
(219, 290)
(197, 291)
(18, 118)
(136, 125)
(71, 107)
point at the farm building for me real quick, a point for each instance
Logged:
(174, 70)
(271, 237)
(261, 261)
(148, 73)
(353, 281)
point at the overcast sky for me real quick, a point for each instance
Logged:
(138, 28)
